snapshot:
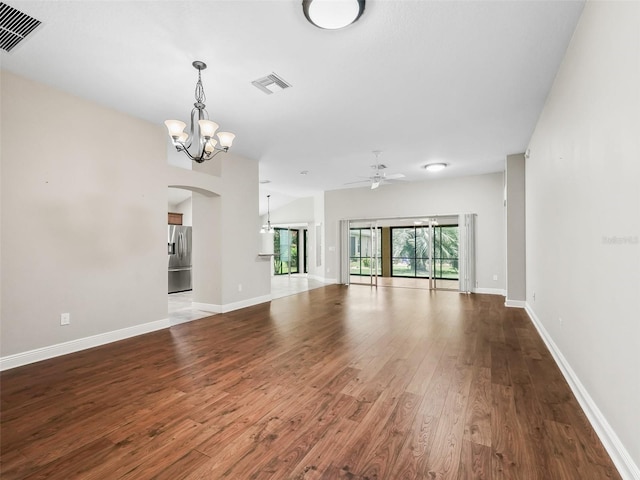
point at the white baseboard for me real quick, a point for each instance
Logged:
(490, 291)
(51, 351)
(229, 307)
(515, 303)
(618, 453)
(207, 307)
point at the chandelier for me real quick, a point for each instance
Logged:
(199, 144)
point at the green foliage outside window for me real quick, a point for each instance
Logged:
(285, 251)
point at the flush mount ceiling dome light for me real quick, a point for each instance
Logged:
(332, 14)
(435, 167)
(199, 144)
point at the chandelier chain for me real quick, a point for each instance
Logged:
(199, 93)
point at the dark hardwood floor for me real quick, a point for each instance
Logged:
(334, 383)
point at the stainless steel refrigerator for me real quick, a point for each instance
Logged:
(179, 250)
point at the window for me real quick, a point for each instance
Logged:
(361, 249)
(285, 251)
(410, 252)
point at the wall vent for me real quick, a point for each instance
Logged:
(14, 26)
(271, 84)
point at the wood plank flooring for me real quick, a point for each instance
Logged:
(335, 383)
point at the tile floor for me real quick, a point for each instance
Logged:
(180, 304)
(285, 285)
(180, 309)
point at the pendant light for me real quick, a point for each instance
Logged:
(267, 228)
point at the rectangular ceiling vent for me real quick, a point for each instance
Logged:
(271, 84)
(14, 26)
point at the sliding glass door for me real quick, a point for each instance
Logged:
(410, 252)
(285, 251)
(365, 254)
(425, 251)
(405, 252)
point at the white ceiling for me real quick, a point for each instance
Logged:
(422, 81)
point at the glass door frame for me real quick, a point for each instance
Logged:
(430, 222)
(374, 234)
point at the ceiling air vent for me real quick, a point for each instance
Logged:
(14, 26)
(271, 84)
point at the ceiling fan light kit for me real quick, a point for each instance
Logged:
(332, 14)
(199, 144)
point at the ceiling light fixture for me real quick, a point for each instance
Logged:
(435, 167)
(332, 14)
(267, 228)
(199, 144)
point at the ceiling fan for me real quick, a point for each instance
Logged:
(379, 177)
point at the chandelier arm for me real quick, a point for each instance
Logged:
(216, 151)
(182, 148)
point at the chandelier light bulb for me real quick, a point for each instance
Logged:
(175, 128)
(226, 139)
(207, 128)
(210, 146)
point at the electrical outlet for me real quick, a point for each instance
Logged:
(560, 321)
(239, 287)
(495, 277)
(65, 318)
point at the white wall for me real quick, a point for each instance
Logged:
(515, 229)
(583, 217)
(297, 211)
(185, 208)
(83, 227)
(482, 194)
(244, 277)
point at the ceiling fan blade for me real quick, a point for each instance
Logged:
(394, 176)
(359, 181)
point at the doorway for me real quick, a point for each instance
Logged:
(180, 215)
(290, 261)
